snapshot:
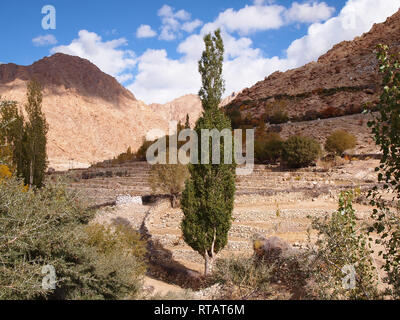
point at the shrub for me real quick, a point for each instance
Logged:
(342, 266)
(340, 141)
(300, 151)
(242, 278)
(169, 179)
(48, 227)
(269, 148)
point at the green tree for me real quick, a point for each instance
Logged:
(300, 151)
(208, 198)
(386, 127)
(340, 141)
(13, 135)
(36, 129)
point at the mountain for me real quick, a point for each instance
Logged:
(91, 116)
(178, 109)
(340, 82)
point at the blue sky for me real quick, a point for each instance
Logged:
(152, 47)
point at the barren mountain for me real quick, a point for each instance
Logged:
(90, 115)
(344, 78)
(178, 109)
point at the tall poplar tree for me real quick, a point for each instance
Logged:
(36, 131)
(208, 198)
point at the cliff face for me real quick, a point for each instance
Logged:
(90, 115)
(345, 77)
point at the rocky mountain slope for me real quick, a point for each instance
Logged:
(343, 79)
(177, 109)
(90, 115)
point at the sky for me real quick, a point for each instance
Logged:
(152, 47)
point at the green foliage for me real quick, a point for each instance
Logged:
(268, 148)
(207, 201)
(243, 278)
(49, 227)
(27, 139)
(341, 244)
(12, 136)
(386, 127)
(36, 132)
(300, 151)
(210, 68)
(340, 141)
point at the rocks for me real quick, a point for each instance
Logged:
(127, 199)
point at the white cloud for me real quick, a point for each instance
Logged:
(192, 25)
(125, 77)
(161, 79)
(249, 19)
(353, 20)
(107, 55)
(145, 31)
(309, 12)
(173, 22)
(46, 40)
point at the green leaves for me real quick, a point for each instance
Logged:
(207, 201)
(385, 128)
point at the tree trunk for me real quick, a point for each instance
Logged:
(209, 261)
(31, 174)
(208, 264)
(174, 200)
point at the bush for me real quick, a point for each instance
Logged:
(242, 278)
(279, 116)
(300, 151)
(340, 141)
(269, 148)
(48, 227)
(340, 248)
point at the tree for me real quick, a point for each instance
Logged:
(208, 198)
(36, 130)
(13, 136)
(169, 179)
(187, 123)
(385, 128)
(299, 152)
(340, 141)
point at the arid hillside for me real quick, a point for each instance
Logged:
(340, 82)
(91, 116)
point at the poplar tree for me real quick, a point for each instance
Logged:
(36, 131)
(208, 198)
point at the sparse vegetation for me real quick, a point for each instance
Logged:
(342, 265)
(243, 278)
(169, 179)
